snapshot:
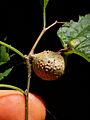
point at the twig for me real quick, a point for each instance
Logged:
(51, 25)
(40, 35)
(60, 22)
(63, 50)
(28, 84)
(27, 59)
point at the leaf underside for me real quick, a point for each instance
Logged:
(76, 36)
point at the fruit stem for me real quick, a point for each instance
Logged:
(28, 83)
(12, 87)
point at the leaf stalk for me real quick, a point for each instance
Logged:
(11, 87)
(12, 48)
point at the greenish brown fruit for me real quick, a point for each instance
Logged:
(48, 65)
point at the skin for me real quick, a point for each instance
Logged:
(12, 106)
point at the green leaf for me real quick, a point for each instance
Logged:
(5, 73)
(44, 3)
(76, 36)
(4, 56)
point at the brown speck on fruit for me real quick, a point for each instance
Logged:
(49, 61)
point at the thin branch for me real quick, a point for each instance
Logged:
(40, 36)
(60, 22)
(63, 50)
(28, 84)
(44, 17)
(51, 25)
(37, 41)
(28, 57)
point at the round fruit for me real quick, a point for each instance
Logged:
(48, 65)
(12, 106)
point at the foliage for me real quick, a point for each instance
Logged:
(4, 55)
(76, 36)
(5, 73)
